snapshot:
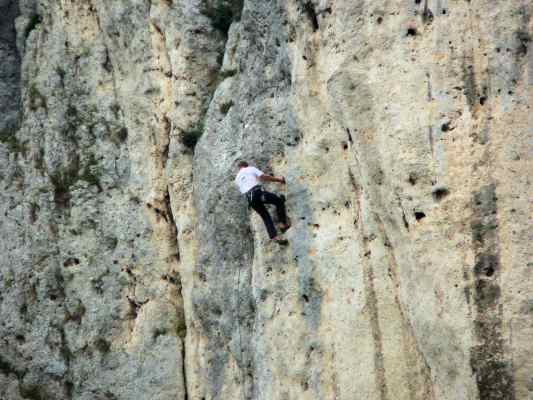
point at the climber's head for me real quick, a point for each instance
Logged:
(242, 164)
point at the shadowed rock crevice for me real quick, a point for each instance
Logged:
(10, 88)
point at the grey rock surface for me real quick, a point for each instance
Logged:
(131, 268)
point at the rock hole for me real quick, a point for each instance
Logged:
(412, 178)
(482, 100)
(524, 39)
(444, 12)
(69, 262)
(445, 127)
(411, 31)
(419, 215)
(305, 298)
(440, 193)
(379, 20)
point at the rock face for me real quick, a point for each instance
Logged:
(131, 268)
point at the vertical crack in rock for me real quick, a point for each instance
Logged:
(372, 304)
(10, 104)
(420, 384)
(490, 364)
(182, 329)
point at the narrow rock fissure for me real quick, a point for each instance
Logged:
(184, 370)
(372, 303)
(183, 333)
(407, 328)
(10, 73)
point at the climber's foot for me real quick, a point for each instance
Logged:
(280, 241)
(285, 227)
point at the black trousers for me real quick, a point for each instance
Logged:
(257, 198)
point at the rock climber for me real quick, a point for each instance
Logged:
(248, 180)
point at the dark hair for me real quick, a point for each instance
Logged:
(242, 164)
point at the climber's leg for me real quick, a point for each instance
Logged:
(260, 208)
(279, 202)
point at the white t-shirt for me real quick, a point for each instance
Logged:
(247, 178)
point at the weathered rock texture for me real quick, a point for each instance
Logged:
(130, 267)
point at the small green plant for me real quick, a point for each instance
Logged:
(75, 313)
(39, 162)
(62, 180)
(102, 345)
(119, 136)
(219, 77)
(523, 42)
(84, 52)
(35, 20)
(225, 107)
(227, 73)
(61, 73)
(191, 137)
(8, 281)
(91, 173)
(13, 144)
(222, 13)
(35, 97)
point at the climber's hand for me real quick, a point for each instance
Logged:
(281, 180)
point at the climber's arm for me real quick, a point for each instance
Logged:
(268, 178)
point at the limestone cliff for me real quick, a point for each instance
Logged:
(131, 268)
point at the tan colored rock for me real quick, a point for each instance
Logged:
(131, 268)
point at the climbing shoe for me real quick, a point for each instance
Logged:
(280, 241)
(285, 228)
